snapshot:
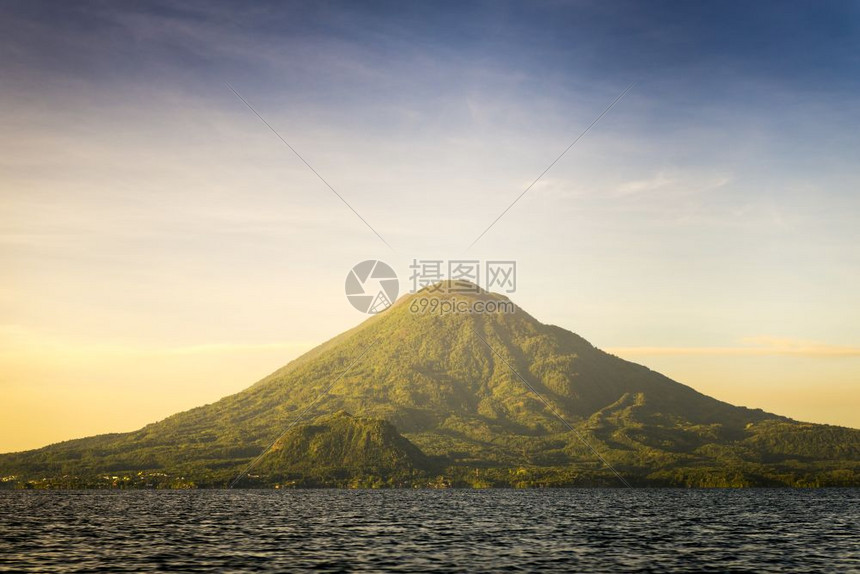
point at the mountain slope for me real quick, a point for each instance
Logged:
(343, 450)
(451, 384)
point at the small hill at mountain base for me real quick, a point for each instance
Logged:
(343, 450)
(418, 398)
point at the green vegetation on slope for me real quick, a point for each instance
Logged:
(436, 380)
(342, 450)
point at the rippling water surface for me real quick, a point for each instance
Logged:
(449, 530)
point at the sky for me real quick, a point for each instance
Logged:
(161, 248)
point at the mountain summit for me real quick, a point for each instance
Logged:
(480, 398)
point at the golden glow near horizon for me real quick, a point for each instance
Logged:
(55, 391)
(160, 248)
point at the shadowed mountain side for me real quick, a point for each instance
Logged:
(346, 451)
(445, 382)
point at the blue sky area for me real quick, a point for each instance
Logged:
(162, 248)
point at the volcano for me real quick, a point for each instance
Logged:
(419, 397)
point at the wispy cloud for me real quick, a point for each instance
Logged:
(233, 347)
(17, 340)
(674, 181)
(750, 346)
(659, 181)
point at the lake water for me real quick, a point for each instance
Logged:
(444, 530)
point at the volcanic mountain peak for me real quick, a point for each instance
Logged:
(477, 390)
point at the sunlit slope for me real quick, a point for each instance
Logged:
(337, 448)
(451, 385)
